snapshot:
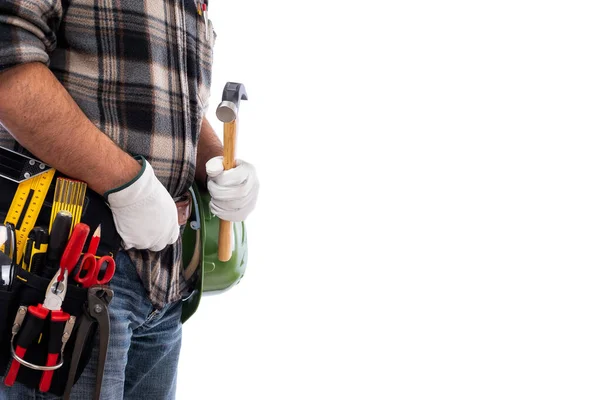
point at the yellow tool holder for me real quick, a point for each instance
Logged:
(26, 206)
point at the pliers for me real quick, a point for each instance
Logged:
(61, 326)
(96, 313)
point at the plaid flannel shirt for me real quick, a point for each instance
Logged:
(140, 70)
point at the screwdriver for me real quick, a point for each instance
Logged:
(59, 236)
(74, 247)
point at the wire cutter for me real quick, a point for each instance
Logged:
(36, 316)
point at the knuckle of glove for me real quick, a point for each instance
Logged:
(233, 214)
(232, 189)
(234, 204)
(232, 177)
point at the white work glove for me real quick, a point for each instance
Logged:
(234, 192)
(144, 212)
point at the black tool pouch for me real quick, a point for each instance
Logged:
(95, 212)
(28, 289)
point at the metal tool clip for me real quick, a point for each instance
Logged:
(67, 333)
(21, 313)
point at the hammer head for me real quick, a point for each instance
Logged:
(232, 94)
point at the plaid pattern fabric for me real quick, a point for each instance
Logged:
(140, 70)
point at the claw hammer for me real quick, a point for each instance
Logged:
(227, 113)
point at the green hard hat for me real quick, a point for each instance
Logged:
(200, 259)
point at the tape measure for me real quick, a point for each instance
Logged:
(26, 206)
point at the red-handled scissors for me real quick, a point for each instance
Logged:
(95, 272)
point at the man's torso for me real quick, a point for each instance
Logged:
(140, 70)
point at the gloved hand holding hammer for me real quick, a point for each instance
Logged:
(234, 192)
(232, 183)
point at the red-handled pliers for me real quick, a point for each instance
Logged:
(55, 295)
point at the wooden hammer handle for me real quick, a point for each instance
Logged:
(229, 138)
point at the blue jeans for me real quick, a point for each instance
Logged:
(143, 350)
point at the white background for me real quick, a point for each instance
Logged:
(428, 225)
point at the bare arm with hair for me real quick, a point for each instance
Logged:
(37, 110)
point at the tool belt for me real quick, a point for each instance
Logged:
(88, 309)
(95, 212)
(49, 324)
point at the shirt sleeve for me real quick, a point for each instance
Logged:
(28, 31)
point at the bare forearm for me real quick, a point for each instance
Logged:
(209, 146)
(37, 110)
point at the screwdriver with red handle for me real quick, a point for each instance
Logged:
(74, 247)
